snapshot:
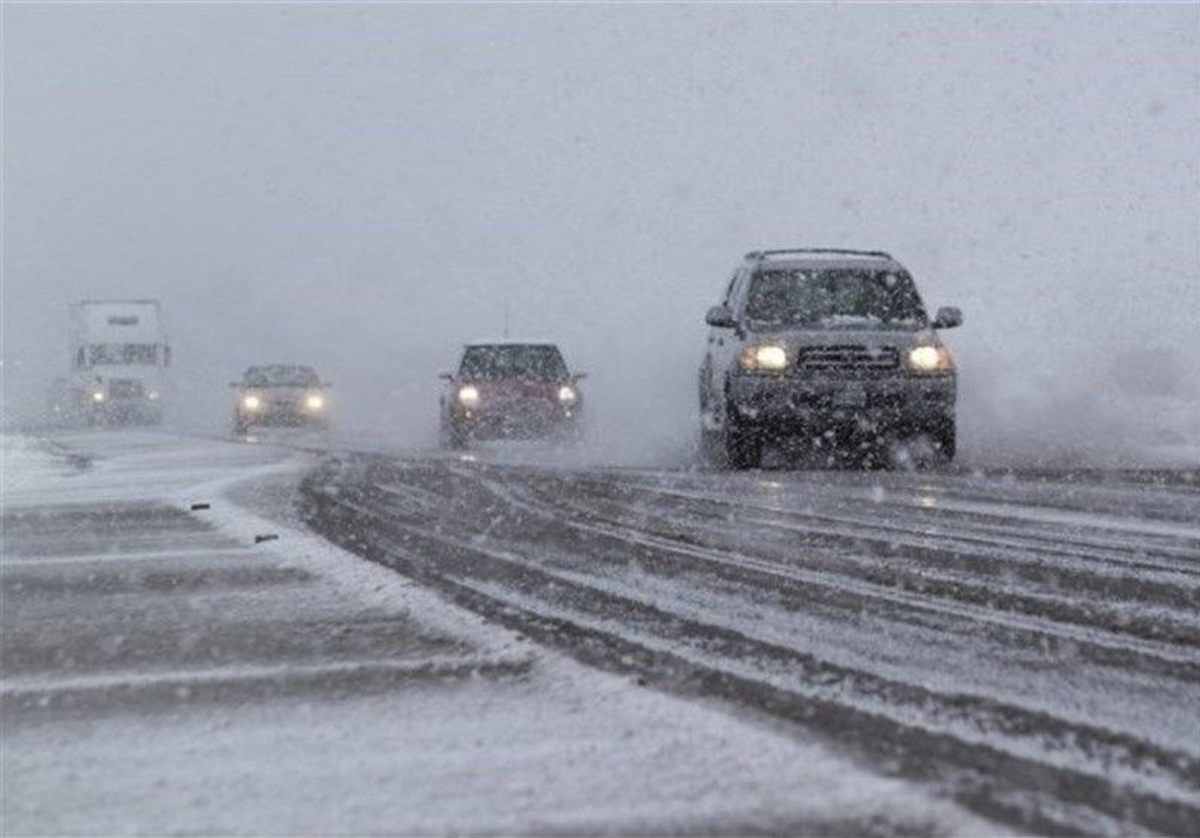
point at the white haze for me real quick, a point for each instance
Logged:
(363, 188)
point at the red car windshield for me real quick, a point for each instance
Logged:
(530, 362)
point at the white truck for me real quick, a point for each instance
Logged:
(119, 357)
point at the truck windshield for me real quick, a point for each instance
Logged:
(122, 353)
(542, 363)
(835, 297)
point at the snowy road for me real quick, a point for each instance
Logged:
(163, 673)
(1028, 642)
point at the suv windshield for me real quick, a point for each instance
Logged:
(281, 376)
(542, 363)
(833, 297)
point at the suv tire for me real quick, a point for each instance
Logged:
(453, 439)
(712, 449)
(743, 447)
(944, 436)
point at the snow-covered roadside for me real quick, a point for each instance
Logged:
(26, 465)
(128, 466)
(560, 748)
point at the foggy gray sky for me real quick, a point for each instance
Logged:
(363, 188)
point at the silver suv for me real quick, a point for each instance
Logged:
(280, 394)
(831, 345)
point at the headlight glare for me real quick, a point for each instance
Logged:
(567, 395)
(251, 402)
(98, 396)
(314, 401)
(767, 358)
(468, 396)
(929, 359)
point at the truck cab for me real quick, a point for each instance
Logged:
(119, 355)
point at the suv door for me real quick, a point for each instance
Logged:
(721, 342)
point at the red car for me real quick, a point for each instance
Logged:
(509, 390)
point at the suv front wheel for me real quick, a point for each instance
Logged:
(944, 438)
(452, 438)
(743, 446)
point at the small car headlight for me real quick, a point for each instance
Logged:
(767, 358)
(252, 402)
(929, 358)
(468, 396)
(567, 395)
(314, 401)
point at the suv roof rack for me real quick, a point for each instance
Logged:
(759, 255)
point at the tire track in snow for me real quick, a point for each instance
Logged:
(449, 546)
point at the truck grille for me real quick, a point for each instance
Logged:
(124, 388)
(847, 358)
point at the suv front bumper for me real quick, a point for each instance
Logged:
(785, 403)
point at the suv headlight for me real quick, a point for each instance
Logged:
(567, 395)
(314, 401)
(468, 396)
(252, 402)
(930, 359)
(763, 358)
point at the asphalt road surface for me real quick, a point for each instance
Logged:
(1026, 642)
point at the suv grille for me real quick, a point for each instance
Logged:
(847, 358)
(124, 388)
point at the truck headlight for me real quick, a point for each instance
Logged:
(468, 396)
(764, 358)
(314, 401)
(567, 395)
(252, 402)
(930, 359)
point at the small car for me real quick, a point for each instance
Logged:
(285, 395)
(830, 345)
(510, 390)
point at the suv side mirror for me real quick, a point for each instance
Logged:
(446, 376)
(579, 376)
(233, 385)
(947, 318)
(720, 317)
